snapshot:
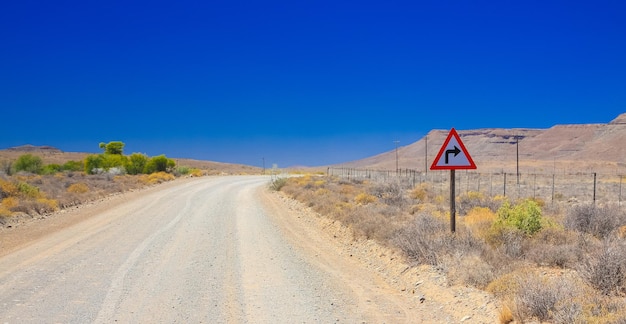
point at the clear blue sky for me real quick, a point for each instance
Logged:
(300, 82)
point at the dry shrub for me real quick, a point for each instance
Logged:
(556, 297)
(7, 189)
(606, 269)
(554, 246)
(364, 199)
(374, 221)
(427, 240)
(78, 188)
(389, 193)
(469, 200)
(599, 221)
(538, 297)
(36, 206)
(420, 192)
(471, 270)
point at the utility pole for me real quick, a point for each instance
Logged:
(426, 154)
(263, 165)
(396, 156)
(517, 157)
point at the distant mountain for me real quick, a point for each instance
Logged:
(574, 147)
(31, 148)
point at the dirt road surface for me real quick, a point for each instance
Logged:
(209, 250)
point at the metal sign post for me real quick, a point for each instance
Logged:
(452, 156)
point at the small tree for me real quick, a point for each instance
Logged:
(116, 148)
(28, 163)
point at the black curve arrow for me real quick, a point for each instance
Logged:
(456, 152)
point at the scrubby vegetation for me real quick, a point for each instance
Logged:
(29, 187)
(563, 264)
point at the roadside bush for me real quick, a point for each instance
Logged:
(606, 269)
(159, 164)
(599, 221)
(554, 247)
(427, 240)
(278, 183)
(472, 270)
(93, 163)
(28, 163)
(524, 217)
(136, 163)
(540, 297)
(110, 161)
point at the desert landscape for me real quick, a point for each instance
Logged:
(546, 251)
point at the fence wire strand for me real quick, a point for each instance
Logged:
(550, 187)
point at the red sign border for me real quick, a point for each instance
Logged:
(472, 165)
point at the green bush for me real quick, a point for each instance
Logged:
(73, 166)
(51, 169)
(110, 161)
(159, 164)
(27, 190)
(183, 170)
(93, 163)
(525, 217)
(136, 163)
(28, 163)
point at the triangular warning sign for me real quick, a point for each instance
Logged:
(453, 155)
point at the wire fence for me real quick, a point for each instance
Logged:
(550, 187)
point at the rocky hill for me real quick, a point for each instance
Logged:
(575, 148)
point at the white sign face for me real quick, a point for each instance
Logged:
(453, 155)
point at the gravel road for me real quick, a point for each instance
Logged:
(209, 250)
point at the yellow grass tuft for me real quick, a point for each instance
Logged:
(479, 220)
(47, 205)
(506, 315)
(420, 192)
(364, 199)
(8, 188)
(196, 173)
(156, 178)
(78, 188)
(10, 202)
(322, 192)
